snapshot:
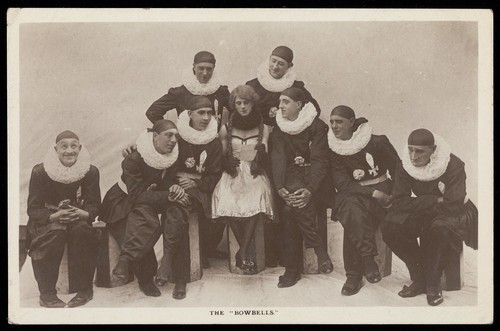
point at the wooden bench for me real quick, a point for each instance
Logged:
(452, 278)
(258, 241)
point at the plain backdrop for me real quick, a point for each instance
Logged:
(98, 79)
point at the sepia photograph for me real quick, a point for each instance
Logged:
(250, 166)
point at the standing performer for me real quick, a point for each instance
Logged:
(131, 206)
(274, 76)
(63, 201)
(299, 159)
(243, 194)
(203, 81)
(440, 213)
(359, 163)
(199, 170)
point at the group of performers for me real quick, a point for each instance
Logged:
(259, 153)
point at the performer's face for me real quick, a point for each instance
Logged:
(278, 67)
(341, 127)
(68, 149)
(420, 155)
(243, 107)
(164, 142)
(203, 71)
(290, 108)
(200, 118)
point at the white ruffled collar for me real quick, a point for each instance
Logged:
(60, 173)
(435, 168)
(192, 84)
(305, 119)
(272, 84)
(152, 158)
(360, 138)
(194, 136)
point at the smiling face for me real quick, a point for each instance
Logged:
(243, 106)
(420, 156)
(290, 108)
(341, 127)
(67, 150)
(203, 71)
(200, 118)
(278, 67)
(164, 142)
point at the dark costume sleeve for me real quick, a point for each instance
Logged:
(343, 181)
(160, 107)
(454, 194)
(278, 158)
(390, 156)
(223, 96)
(213, 168)
(137, 187)
(36, 202)
(319, 156)
(91, 193)
(403, 201)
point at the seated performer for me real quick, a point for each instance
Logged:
(440, 213)
(203, 80)
(131, 206)
(359, 164)
(199, 169)
(299, 160)
(243, 194)
(63, 201)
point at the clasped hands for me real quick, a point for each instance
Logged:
(298, 199)
(67, 214)
(177, 194)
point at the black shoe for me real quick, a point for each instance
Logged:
(288, 280)
(160, 281)
(413, 290)
(81, 298)
(121, 274)
(249, 268)
(373, 277)
(179, 292)
(371, 270)
(351, 287)
(51, 300)
(326, 267)
(149, 289)
(434, 297)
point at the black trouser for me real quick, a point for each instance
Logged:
(176, 244)
(425, 261)
(83, 247)
(359, 216)
(137, 237)
(299, 225)
(211, 234)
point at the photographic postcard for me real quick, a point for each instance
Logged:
(96, 72)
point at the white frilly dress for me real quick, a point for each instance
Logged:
(242, 196)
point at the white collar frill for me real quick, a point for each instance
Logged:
(194, 136)
(305, 119)
(152, 158)
(272, 84)
(435, 168)
(66, 175)
(192, 84)
(360, 138)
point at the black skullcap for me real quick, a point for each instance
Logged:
(343, 111)
(295, 93)
(421, 137)
(162, 125)
(283, 52)
(204, 56)
(198, 102)
(66, 134)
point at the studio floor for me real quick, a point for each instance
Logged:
(219, 288)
